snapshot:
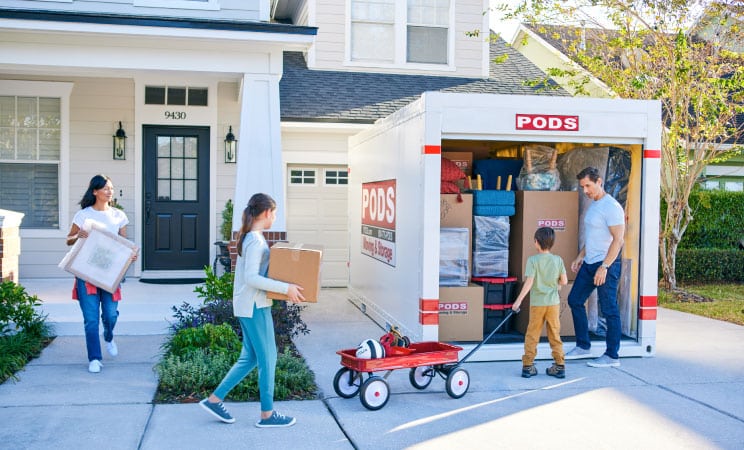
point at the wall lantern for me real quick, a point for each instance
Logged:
(231, 147)
(120, 140)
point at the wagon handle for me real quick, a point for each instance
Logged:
(508, 316)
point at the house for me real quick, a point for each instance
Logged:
(289, 80)
(545, 46)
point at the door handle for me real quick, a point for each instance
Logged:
(148, 207)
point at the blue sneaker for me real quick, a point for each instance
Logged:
(217, 410)
(275, 421)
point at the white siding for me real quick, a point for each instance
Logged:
(229, 114)
(228, 9)
(329, 51)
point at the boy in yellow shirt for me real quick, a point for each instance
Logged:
(544, 274)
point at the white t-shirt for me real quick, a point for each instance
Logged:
(601, 214)
(111, 218)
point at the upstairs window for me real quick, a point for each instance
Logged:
(427, 30)
(373, 30)
(400, 32)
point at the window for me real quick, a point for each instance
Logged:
(336, 177)
(390, 32)
(426, 35)
(176, 95)
(711, 185)
(373, 30)
(302, 176)
(30, 153)
(734, 186)
(177, 168)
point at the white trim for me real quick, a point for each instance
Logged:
(134, 30)
(197, 116)
(62, 91)
(724, 171)
(209, 5)
(325, 127)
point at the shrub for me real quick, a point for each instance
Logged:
(217, 308)
(718, 220)
(197, 372)
(18, 349)
(18, 309)
(213, 338)
(709, 265)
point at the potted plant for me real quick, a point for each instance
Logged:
(223, 254)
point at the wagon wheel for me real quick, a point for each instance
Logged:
(346, 382)
(421, 376)
(458, 382)
(374, 393)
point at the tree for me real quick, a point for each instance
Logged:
(685, 53)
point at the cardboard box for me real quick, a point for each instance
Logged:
(454, 214)
(461, 313)
(534, 209)
(298, 264)
(522, 319)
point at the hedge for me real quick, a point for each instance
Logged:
(709, 265)
(718, 220)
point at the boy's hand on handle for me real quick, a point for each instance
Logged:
(294, 293)
(516, 305)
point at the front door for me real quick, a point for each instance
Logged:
(176, 198)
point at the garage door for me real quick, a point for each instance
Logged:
(317, 214)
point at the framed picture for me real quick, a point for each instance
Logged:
(101, 259)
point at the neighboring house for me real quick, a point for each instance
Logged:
(291, 79)
(543, 46)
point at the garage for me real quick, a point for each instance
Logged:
(317, 214)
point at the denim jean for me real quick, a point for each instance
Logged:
(91, 304)
(259, 350)
(607, 295)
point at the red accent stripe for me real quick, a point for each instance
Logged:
(649, 301)
(647, 314)
(498, 307)
(428, 305)
(652, 153)
(432, 149)
(429, 318)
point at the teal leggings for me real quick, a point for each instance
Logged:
(259, 348)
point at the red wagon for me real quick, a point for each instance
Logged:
(425, 359)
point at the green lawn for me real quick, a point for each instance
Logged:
(721, 301)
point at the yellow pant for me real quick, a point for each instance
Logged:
(550, 316)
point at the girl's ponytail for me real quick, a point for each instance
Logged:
(256, 206)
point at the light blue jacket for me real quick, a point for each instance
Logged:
(251, 283)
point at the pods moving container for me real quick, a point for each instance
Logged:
(394, 199)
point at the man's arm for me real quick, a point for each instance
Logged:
(618, 239)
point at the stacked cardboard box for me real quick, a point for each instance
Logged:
(461, 313)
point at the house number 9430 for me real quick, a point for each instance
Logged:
(175, 115)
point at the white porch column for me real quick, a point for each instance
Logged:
(259, 164)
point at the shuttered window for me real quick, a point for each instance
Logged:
(30, 148)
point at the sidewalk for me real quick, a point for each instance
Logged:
(691, 395)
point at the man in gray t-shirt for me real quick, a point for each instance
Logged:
(598, 266)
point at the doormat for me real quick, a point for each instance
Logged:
(172, 280)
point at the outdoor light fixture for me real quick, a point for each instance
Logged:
(231, 147)
(120, 140)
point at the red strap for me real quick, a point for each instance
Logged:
(498, 307)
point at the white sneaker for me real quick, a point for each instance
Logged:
(94, 366)
(112, 349)
(579, 353)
